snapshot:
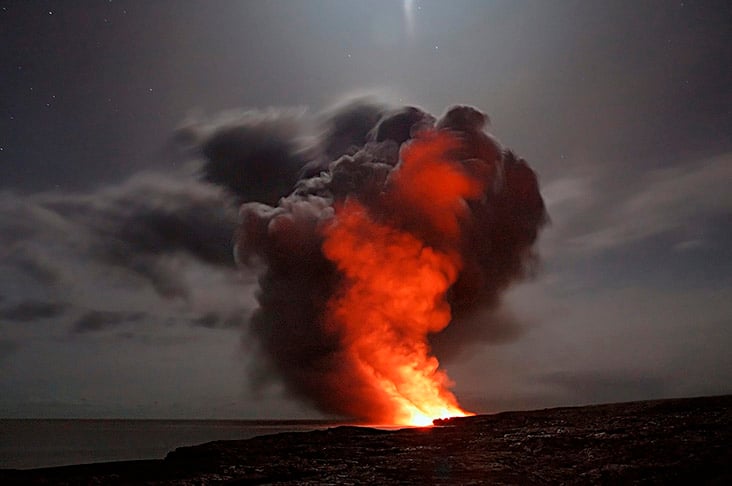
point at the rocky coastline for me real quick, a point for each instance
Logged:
(673, 441)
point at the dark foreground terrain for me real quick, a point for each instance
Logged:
(680, 441)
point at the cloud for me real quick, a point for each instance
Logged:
(633, 302)
(30, 310)
(218, 320)
(259, 155)
(157, 245)
(7, 348)
(679, 201)
(140, 227)
(98, 320)
(256, 155)
(610, 344)
(347, 125)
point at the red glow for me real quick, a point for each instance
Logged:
(395, 284)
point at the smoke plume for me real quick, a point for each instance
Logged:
(390, 251)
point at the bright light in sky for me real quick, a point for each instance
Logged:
(409, 17)
(640, 222)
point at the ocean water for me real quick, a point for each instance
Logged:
(33, 443)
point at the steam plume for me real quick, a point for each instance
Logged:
(401, 230)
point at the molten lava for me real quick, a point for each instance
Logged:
(395, 282)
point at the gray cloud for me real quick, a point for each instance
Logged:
(261, 155)
(7, 347)
(35, 266)
(256, 155)
(605, 345)
(347, 126)
(98, 320)
(217, 320)
(594, 219)
(154, 250)
(142, 227)
(30, 310)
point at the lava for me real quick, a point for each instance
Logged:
(396, 282)
(394, 247)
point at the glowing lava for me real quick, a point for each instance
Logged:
(395, 282)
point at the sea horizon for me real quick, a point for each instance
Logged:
(30, 443)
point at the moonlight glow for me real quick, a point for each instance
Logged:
(409, 17)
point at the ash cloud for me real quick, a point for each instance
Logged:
(288, 172)
(255, 155)
(347, 127)
(354, 155)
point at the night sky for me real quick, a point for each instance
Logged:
(118, 292)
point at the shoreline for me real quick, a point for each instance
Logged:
(666, 440)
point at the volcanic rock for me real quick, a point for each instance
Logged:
(679, 441)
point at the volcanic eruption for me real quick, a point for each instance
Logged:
(399, 226)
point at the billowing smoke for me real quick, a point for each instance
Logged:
(390, 251)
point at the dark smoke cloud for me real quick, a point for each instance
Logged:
(256, 155)
(484, 324)
(98, 320)
(31, 310)
(347, 127)
(290, 172)
(152, 216)
(353, 158)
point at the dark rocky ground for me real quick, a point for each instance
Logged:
(679, 441)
